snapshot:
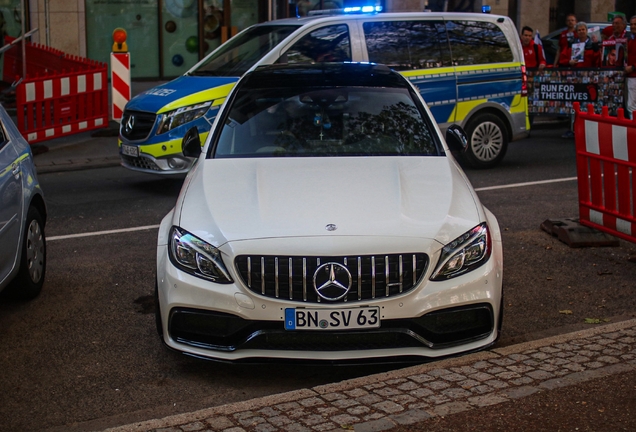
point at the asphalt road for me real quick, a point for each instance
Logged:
(84, 355)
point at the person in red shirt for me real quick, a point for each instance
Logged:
(562, 57)
(615, 43)
(590, 55)
(630, 68)
(532, 53)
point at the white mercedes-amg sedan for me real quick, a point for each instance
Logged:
(326, 219)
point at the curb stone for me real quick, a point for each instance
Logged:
(411, 395)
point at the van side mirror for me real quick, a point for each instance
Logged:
(456, 139)
(191, 143)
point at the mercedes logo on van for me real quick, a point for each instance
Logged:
(331, 227)
(129, 124)
(332, 281)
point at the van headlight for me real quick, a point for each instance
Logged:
(196, 257)
(180, 116)
(467, 252)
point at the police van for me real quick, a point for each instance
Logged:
(468, 67)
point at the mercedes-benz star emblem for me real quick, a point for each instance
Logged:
(130, 123)
(331, 227)
(332, 281)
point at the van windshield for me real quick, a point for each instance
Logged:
(240, 53)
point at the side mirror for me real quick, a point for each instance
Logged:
(456, 139)
(191, 143)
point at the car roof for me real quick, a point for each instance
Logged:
(326, 17)
(601, 25)
(324, 74)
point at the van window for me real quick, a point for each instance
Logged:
(406, 45)
(477, 42)
(326, 44)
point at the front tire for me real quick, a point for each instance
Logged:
(487, 141)
(28, 283)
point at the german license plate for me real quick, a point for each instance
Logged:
(332, 319)
(130, 150)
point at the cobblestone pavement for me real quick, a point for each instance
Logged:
(412, 395)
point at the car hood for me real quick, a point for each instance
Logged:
(239, 199)
(182, 91)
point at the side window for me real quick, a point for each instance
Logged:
(477, 42)
(326, 44)
(406, 45)
(3, 139)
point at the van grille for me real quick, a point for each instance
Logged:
(292, 277)
(142, 123)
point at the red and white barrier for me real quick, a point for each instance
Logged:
(60, 95)
(59, 105)
(120, 82)
(606, 171)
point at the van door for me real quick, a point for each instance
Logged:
(484, 66)
(419, 50)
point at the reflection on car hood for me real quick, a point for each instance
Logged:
(238, 199)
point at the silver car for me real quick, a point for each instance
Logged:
(22, 216)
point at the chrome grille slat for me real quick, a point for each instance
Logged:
(291, 277)
(386, 275)
(372, 277)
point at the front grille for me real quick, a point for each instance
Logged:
(140, 162)
(142, 123)
(292, 277)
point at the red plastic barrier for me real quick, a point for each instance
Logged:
(61, 94)
(606, 171)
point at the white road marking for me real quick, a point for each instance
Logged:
(513, 185)
(148, 227)
(99, 233)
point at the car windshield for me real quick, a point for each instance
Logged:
(240, 53)
(325, 121)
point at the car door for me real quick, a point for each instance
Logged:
(10, 205)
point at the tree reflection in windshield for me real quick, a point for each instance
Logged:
(326, 122)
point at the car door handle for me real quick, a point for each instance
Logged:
(16, 170)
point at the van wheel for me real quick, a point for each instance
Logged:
(28, 283)
(487, 141)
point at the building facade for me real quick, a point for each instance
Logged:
(167, 37)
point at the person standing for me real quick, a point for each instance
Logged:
(562, 57)
(590, 55)
(532, 52)
(630, 68)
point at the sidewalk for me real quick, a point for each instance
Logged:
(427, 397)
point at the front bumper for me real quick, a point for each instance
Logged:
(231, 323)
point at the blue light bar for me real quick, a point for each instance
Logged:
(363, 9)
(485, 9)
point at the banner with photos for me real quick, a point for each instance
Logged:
(554, 91)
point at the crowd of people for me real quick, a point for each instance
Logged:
(613, 47)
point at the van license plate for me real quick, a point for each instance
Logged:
(130, 150)
(332, 319)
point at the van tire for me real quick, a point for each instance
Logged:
(487, 141)
(28, 283)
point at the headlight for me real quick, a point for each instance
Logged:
(194, 256)
(183, 115)
(465, 253)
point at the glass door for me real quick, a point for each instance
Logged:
(190, 29)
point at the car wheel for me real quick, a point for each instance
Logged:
(158, 312)
(487, 141)
(28, 283)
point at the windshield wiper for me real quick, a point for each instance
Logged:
(204, 73)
